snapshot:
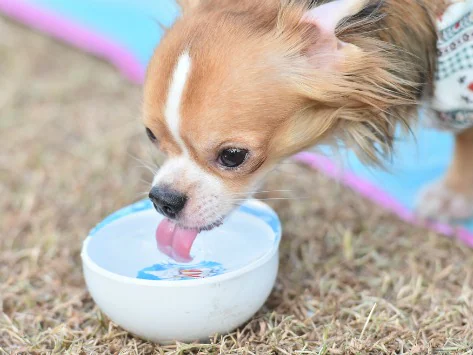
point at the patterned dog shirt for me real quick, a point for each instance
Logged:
(452, 102)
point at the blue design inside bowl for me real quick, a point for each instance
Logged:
(171, 271)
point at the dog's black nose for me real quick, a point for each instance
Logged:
(167, 202)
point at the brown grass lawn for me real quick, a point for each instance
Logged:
(71, 146)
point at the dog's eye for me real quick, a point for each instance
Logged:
(233, 157)
(150, 135)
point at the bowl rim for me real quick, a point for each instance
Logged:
(254, 207)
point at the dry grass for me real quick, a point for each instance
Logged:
(353, 278)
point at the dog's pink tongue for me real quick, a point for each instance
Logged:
(174, 241)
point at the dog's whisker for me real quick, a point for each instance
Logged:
(146, 165)
(142, 194)
(148, 183)
(146, 168)
(153, 158)
(267, 191)
(275, 198)
(259, 192)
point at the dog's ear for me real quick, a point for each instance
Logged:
(356, 97)
(324, 50)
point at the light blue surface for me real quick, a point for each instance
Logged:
(417, 161)
(134, 24)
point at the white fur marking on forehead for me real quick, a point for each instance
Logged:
(174, 100)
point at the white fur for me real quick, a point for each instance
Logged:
(174, 100)
(175, 169)
(205, 191)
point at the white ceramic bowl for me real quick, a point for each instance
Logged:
(156, 298)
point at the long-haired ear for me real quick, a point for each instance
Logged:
(324, 50)
(368, 132)
(357, 93)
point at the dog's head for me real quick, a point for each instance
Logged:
(237, 86)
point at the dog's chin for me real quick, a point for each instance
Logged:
(211, 226)
(205, 228)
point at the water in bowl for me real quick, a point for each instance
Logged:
(127, 247)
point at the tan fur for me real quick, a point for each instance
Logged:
(459, 177)
(377, 89)
(257, 82)
(361, 104)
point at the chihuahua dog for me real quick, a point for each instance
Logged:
(236, 86)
